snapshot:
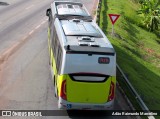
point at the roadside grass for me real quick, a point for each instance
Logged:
(138, 51)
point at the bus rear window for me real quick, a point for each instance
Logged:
(88, 77)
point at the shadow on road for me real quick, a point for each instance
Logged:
(4, 3)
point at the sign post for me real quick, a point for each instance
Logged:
(113, 18)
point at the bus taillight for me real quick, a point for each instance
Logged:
(111, 93)
(63, 90)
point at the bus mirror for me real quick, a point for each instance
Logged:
(48, 12)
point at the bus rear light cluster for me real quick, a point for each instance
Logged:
(63, 90)
(112, 92)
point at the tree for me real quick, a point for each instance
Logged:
(151, 13)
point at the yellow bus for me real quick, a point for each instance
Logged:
(83, 61)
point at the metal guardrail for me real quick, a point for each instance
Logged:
(137, 97)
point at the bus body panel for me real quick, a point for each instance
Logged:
(63, 104)
(85, 63)
(83, 95)
(87, 89)
(87, 92)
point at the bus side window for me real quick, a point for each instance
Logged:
(50, 19)
(57, 50)
(51, 30)
(53, 34)
(59, 59)
(55, 46)
(53, 40)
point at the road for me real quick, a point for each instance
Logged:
(25, 79)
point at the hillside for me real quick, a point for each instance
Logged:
(138, 50)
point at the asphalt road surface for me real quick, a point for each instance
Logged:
(25, 79)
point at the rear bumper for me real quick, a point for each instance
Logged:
(63, 104)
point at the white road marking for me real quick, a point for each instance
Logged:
(31, 32)
(24, 37)
(27, 8)
(37, 27)
(43, 22)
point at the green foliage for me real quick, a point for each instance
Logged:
(138, 50)
(150, 14)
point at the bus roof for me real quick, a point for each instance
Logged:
(69, 8)
(76, 29)
(84, 36)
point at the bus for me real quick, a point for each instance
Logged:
(82, 59)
